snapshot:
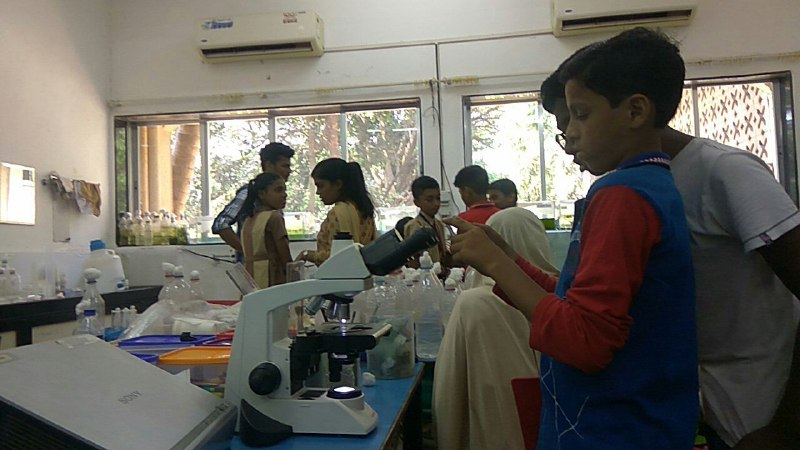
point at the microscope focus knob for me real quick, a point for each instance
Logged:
(265, 378)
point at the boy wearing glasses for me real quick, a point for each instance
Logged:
(617, 328)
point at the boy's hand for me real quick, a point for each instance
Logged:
(493, 235)
(474, 246)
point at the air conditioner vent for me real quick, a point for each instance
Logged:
(627, 19)
(255, 50)
(584, 16)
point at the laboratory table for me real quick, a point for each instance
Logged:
(23, 317)
(396, 402)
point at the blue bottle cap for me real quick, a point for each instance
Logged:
(97, 244)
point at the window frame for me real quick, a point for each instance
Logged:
(786, 157)
(131, 122)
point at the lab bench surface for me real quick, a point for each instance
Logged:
(395, 401)
(21, 318)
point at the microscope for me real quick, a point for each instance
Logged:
(267, 370)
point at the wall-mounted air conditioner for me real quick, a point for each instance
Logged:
(260, 36)
(587, 16)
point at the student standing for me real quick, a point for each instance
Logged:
(749, 384)
(275, 158)
(427, 197)
(341, 184)
(265, 242)
(617, 329)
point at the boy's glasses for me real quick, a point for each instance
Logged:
(561, 138)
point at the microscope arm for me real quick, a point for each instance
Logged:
(262, 329)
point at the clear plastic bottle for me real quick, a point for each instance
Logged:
(13, 283)
(138, 230)
(393, 356)
(428, 324)
(148, 231)
(181, 291)
(3, 283)
(169, 278)
(451, 292)
(89, 324)
(91, 298)
(196, 291)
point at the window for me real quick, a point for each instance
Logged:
(512, 136)
(752, 113)
(193, 164)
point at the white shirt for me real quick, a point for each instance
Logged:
(745, 315)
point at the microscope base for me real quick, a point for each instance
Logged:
(267, 421)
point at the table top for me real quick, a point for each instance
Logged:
(388, 398)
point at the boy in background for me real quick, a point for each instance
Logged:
(503, 193)
(617, 329)
(427, 197)
(473, 184)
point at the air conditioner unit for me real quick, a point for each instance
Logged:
(587, 16)
(260, 36)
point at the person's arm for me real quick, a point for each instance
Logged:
(275, 231)
(783, 256)
(747, 209)
(231, 239)
(227, 217)
(585, 328)
(327, 230)
(411, 227)
(542, 278)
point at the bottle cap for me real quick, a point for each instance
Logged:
(178, 271)
(194, 275)
(167, 268)
(91, 274)
(97, 244)
(425, 262)
(450, 284)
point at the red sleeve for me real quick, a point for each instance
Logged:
(543, 279)
(585, 328)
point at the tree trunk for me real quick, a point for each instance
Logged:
(187, 147)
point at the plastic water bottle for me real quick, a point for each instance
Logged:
(451, 292)
(91, 298)
(196, 292)
(181, 291)
(89, 324)
(3, 283)
(428, 324)
(166, 288)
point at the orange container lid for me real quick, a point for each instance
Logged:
(196, 356)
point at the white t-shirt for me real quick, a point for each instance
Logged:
(745, 315)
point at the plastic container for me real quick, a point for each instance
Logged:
(147, 357)
(218, 343)
(92, 298)
(393, 356)
(161, 343)
(108, 263)
(89, 324)
(208, 366)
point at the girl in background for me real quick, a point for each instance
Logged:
(341, 184)
(264, 239)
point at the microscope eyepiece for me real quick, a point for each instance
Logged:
(391, 251)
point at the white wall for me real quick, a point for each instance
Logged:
(54, 88)
(505, 45)
(66, 58)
